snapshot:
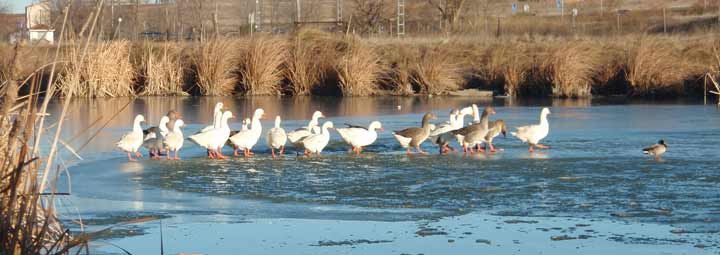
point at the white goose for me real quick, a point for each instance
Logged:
(132, 141)
(358, 137)
(298, 134)
(214, 138)
(217, 114)
(532, 134)
(315, 143)
(276, 138)
(246, 139)
(174, 140)
(154, 140)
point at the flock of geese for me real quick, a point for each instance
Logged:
(313, 138)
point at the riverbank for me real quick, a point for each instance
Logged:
(318, 63)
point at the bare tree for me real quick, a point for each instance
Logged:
(449, 11)
(368, 14)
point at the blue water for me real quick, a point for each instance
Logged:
(595, 169)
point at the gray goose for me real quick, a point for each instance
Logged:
(656, 149)
(496, 127)
(475, 133)
(413, 137)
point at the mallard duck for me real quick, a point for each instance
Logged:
(413, 137)
(656, 149)
(358, 136)
(131, 142)
(532, 134)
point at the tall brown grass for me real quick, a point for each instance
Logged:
(436, 71)
(511, 61)
(261, 62)
(571, 67)
(358, 68)
(105, 71)
(655, 65)
(398, 61)
(163, 69)
(214, 63)
(311, 58)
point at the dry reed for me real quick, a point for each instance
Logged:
(655, 65)
(105, 71)
(358, 69)
(435, 71)
(310, 59)
(511, 62)
(571, 68)
(214, 65)
(260, 65)
(163, 68)
(398, 61)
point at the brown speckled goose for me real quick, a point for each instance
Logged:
(496, 127)
(413, 137)
(475, 133)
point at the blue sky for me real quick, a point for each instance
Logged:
(18, 6)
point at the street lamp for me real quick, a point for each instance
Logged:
(117, 28)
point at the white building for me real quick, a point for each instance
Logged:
(37, 20)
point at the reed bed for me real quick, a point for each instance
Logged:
(310, 60)
(511, 62)
(104, 71)
(655, 65)
(398, 61)
(215, 67)
(358, 69)
(163, 69)
(261, 62)
(436, 72)
(315, 62)
(571, 67)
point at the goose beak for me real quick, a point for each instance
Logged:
(504, 134)
(322, 116)
(381, 129)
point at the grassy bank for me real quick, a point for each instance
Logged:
(313, 62)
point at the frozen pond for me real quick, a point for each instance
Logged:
(594, 192)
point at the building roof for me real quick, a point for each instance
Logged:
(40, 27)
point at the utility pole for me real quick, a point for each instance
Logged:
(400, 18)
(112, 17)
(602, 8)
(338, 16)
(297, 4)
(664, 20)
